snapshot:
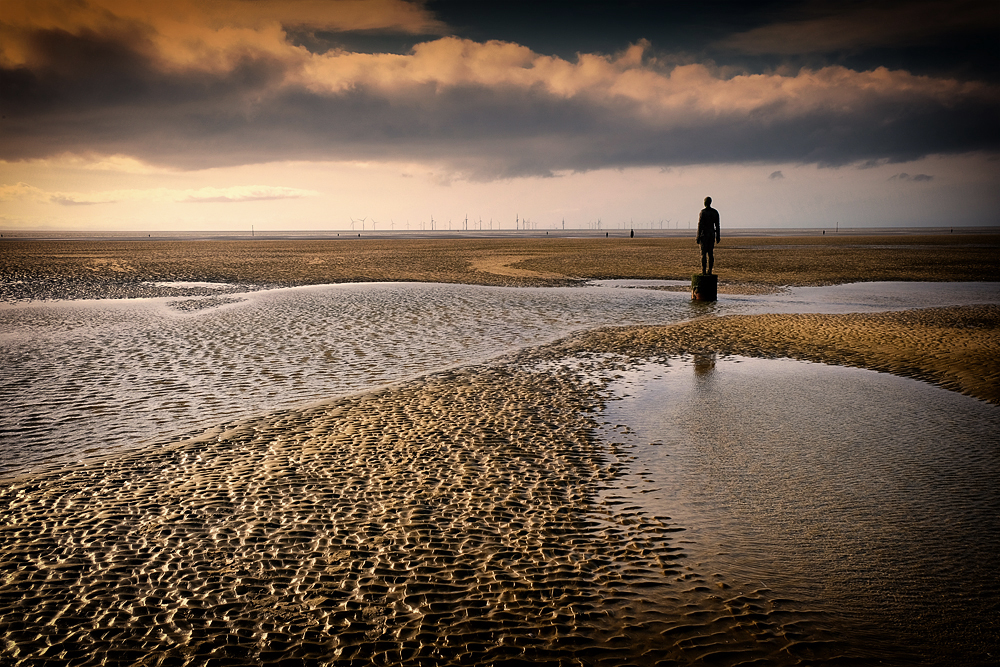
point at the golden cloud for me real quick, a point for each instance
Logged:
(204, 35)
(217, 37)
(196, 84)
(677, 92)
(119, 163)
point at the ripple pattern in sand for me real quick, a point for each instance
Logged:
(82, 377)
(452, 521)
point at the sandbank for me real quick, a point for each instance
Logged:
(117, 269)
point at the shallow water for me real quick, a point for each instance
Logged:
(834, 299)
(867, 297)
(82, 377)
(870, 497)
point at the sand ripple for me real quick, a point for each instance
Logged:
(457, 520)
(120, 373)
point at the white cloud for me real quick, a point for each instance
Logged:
(241, 193)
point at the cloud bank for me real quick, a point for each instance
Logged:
(223, 84)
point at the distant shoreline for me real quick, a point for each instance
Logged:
(88, 268)
(402, 235)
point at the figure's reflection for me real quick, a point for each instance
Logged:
(704, 364)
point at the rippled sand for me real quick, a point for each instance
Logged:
(452, 521)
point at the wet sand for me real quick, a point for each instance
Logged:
(457, 519)
(117, 269)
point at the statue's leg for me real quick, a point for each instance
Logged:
(711, 260)
(703, 259)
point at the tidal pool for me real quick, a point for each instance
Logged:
(872, 498)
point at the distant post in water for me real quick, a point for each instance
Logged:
(705, 287)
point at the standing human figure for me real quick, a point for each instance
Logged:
(708, 235)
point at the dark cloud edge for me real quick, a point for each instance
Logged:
(104, 102)
(487, 134)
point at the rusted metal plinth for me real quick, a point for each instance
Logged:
(705, 287)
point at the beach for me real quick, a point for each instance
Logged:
(468, 515)
(87, 268)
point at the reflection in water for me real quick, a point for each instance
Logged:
(704, 364)
(871, 497)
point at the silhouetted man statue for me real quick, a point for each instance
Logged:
(708, 235)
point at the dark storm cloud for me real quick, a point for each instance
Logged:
(872, 164)
(567, 27)
(828, 27)
(486, 110)
(917, 178)
(957, 38)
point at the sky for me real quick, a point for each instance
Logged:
(227, 115)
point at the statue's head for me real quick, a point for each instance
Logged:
(708, 201)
